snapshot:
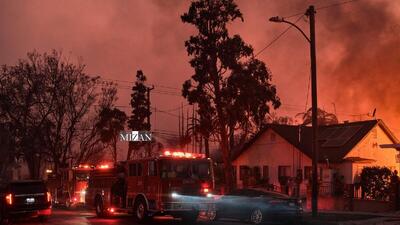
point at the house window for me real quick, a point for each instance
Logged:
(257, 172)
(244, 172)
(307, 172)
(284, 171)
(265, 172)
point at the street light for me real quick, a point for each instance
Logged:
(311, 14)
(278, 19)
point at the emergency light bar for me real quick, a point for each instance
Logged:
(179, 154)
(83, 166)
(105, 166)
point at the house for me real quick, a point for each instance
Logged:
(280, 155)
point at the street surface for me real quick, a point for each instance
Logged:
(84, 217)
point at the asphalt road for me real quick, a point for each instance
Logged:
(84, 217)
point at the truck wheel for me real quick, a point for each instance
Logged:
(140, 211)
(190, 217)
(99, 208)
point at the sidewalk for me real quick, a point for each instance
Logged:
(352, 218)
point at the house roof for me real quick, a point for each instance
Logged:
(335, 141)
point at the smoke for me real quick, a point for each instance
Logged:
(364, 74)
(357, 48)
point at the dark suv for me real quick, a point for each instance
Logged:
(24, 198)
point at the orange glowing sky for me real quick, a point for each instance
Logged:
(358, 48)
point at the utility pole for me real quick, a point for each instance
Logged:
(149, 105)
(314, 201)
(311, 14)
(148, 118)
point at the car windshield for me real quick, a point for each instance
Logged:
(185, 169)
(28, 187)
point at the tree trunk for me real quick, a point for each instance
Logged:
(206, 147)
(231, 138)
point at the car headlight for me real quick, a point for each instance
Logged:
(174, 195)
(209, 195)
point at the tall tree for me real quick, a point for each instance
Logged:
(140, 110)
(112, 122)
(90, 143)
(228, 80)
(324, 117)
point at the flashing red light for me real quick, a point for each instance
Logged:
(105, 166)
(111, 210)
(75, 199)
(9, 199)
(205, 188)
(179, 154)
(167, 153)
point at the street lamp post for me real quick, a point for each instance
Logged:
(311, 14)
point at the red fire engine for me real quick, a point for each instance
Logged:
(69, 187)
(175, 183)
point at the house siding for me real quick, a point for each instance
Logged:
(271, 150)
(369, 147)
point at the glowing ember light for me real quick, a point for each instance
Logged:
(49, 171)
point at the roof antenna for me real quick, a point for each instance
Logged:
(373, 113)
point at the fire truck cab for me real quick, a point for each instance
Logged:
(175, 183)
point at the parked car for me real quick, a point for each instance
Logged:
(258, 206)
(24, 199)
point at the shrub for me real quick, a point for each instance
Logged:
(375, 182)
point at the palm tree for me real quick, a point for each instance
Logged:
(324, 118)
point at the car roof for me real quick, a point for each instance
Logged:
(266, 191)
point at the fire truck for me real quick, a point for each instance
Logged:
(69, 187)
(175, 183)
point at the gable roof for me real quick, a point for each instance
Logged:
(335, 141)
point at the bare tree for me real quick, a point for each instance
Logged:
(48, 101)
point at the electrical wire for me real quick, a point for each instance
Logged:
(277, 37)
(322, 7)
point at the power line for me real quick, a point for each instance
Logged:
(277, 37)
(322, 7)
(131, 82)
(301, 14)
